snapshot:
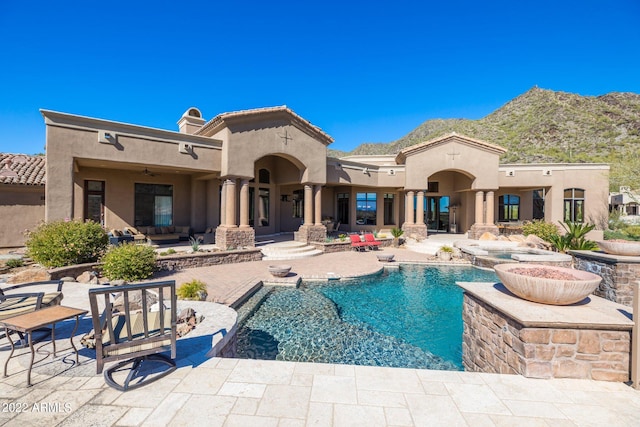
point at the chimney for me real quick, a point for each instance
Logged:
(190, 121)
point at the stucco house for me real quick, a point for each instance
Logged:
(258, 172)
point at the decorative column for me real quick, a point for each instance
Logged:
(310, 231)
(484, 218)
(408, 214)
(317, 204)
(228, 235)
(420, 208)
(489, 208)
(231, 203)
(479, 207)
(308, 205)
(244, 203)
(223, 204)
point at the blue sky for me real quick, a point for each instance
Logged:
(362, 71)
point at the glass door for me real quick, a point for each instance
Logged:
(437, 213)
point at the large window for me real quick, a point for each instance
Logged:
(509, 207)
(388, 209)
(366, 208)
(343, 208)
(94, 201)
(153, 204)
(538, 203)
(574, 205)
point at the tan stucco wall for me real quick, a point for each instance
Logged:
(21, 208)
(475, 162)
(72, 139)
(244, 145)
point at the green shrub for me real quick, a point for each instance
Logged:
(446, 248)
(545, 230)
(61, 243)
(574, 238)
(129, 262)
(169, 251)
(14, 263)
(633, 231)
(193, 290)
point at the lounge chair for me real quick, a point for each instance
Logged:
(356, 243)
(131, 332)
(138, 237)
(371, 241)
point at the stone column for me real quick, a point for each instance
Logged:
(244, 203)
(317, 204)
(479, 207)
(223, 204)
(489, 216)
(308, 205)
(231, 203)
(420, 208)
(408, 214)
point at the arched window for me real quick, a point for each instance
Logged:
(264, 177)
(573, 205)
(509, 207)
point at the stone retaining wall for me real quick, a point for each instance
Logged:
(489, 262)
(495, 343)
(616, 274)
(206, 259)
(338, 246)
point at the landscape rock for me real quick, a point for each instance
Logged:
(537, 242)
(68, 279)
(32, 274)
(86, 277)
(488, 236)
(517, 238)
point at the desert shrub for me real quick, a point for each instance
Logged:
(545, 230)
(169, 251)
(633, 232)
(446, 248)
(192, 290)
(14, 263)
(61, 243)
(129, 262)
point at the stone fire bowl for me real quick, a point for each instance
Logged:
(620, 248)
(279, 270)
(385, 257)
(548, 291)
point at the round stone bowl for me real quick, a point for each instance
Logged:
(385, 257)
(279, 270)
(625, 248)
(545, 290)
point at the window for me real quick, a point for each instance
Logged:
(263, 207)
(574, 205)
(433, 187)
(343, 208)
(509, 207)
(388, 209)
(94, 201)
(264, 177)
(366, 208)
(538, 203)
(153, 204)
(298, 203)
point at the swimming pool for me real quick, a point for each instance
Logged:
(411, 317)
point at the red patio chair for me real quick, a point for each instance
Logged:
(371, 241)
(356, 243)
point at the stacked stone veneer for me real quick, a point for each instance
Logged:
(478, 230)
(495, 343)
(206, 259)
(235, 238)
(490, 262)
(311, 233)
(415, 231)
(617, 274)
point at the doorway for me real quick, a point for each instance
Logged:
(437, 213)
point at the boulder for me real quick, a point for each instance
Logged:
(488, 236)
(135, 301)
(86, 277)
(32, 274)
(68, 279)
(537, 242)
(517, 238)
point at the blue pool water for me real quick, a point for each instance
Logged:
(406, 318)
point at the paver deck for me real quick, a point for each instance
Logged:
(236, 392)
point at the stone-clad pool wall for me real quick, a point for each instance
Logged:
(495, 341)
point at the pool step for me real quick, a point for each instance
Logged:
(288, 250)
(428, 247)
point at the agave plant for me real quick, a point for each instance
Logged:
(574, 237)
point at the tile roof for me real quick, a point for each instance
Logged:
(22, 169)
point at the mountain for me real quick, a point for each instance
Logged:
(542, 126)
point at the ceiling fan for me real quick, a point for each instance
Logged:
(147, 172)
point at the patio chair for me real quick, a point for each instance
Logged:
(14, 304)
(371, 241)
(132, 333)
(356, 243)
